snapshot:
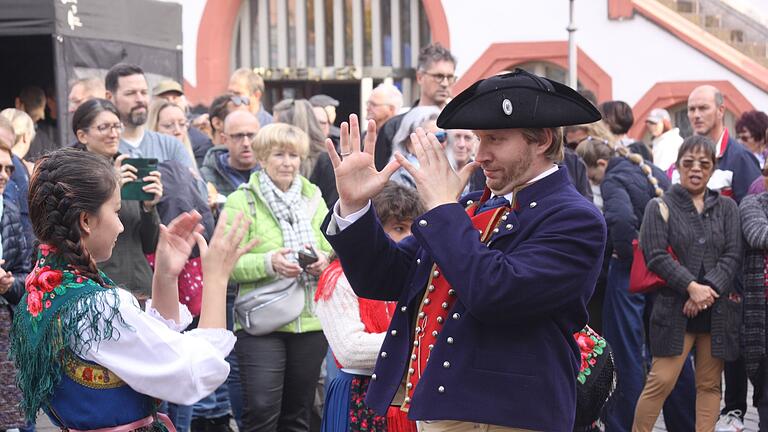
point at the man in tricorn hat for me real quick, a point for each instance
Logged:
(490, 295)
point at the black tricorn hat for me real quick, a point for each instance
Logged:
(517, 100)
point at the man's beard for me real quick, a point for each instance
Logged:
(135, 117)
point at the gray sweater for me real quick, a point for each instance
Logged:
(710, 240)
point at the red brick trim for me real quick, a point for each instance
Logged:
(502, 56)
(214, 40)
(438, 23)
(695, 36)
(620, 9)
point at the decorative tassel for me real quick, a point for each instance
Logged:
(38, 349)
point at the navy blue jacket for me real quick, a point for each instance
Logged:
(17, 251)
(744, 166)
(512, 359)
(17, 191)
(626, 191)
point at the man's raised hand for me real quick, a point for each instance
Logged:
(436, 180)
(357, 179)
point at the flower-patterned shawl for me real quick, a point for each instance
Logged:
(60, 310)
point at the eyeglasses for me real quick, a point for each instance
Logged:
(441, 136)
(237, 137)
(107, 127)
(240, 100)
(705, 165)
(591, 138)
(440, 77)
(372, 104)
(182, 125)
(9, 169)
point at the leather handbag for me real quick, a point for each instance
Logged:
(642, 280)
(270, 306)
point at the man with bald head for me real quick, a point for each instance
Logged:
(737, 168)
(229, 165)
(383, 104)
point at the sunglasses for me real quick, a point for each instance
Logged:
(442, 136)
(240, 100)
(9, 169)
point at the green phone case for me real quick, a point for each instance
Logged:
(132, 191)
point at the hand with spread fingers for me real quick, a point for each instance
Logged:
(357, 178)
(438, 183)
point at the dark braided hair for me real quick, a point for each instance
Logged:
(64, 184)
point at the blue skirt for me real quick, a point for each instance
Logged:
(336, 410)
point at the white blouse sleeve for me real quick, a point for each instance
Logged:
(185, 317)
(158, 361)
(340, 318)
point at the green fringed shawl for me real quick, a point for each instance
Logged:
(60, 310)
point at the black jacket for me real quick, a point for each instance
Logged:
(626, 191)
(17, 251)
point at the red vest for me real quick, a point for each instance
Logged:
(438, 300)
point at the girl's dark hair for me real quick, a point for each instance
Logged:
(618, 115)
(65, 184)
(695, 143)
(87, 112)
(397, 202)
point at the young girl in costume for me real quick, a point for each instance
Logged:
(355, 327)
(87, 355)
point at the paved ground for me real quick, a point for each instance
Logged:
(750, 421)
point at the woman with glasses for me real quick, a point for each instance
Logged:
(698, 306)
(418, 117)
(627, 183)
(169, 119)
(97, 128)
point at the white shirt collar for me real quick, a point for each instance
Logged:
(546, 173)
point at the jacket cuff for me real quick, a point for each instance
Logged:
(717, 280)
(680, 281)
(268, 264)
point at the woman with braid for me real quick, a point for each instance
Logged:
(87, 355)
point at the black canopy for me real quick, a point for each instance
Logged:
(49, 43)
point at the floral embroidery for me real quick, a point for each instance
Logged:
(591, 346)
(361, 417)
(46, 281)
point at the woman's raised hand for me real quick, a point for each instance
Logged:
(357, 178)
(176, 243)
(221, 254)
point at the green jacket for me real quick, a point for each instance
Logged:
(254, 268)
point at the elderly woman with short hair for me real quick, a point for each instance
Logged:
(279, 370)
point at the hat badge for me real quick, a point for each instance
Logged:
(506, 106)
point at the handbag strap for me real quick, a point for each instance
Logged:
(250, 194)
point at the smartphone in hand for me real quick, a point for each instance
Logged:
(132, 191)
(307, 257)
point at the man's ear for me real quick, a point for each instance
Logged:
(85, 223)
(217, 124)
(19, 104)
(109, 96)
(544, 144)
(602, 163)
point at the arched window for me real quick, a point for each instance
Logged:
(299, 46)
